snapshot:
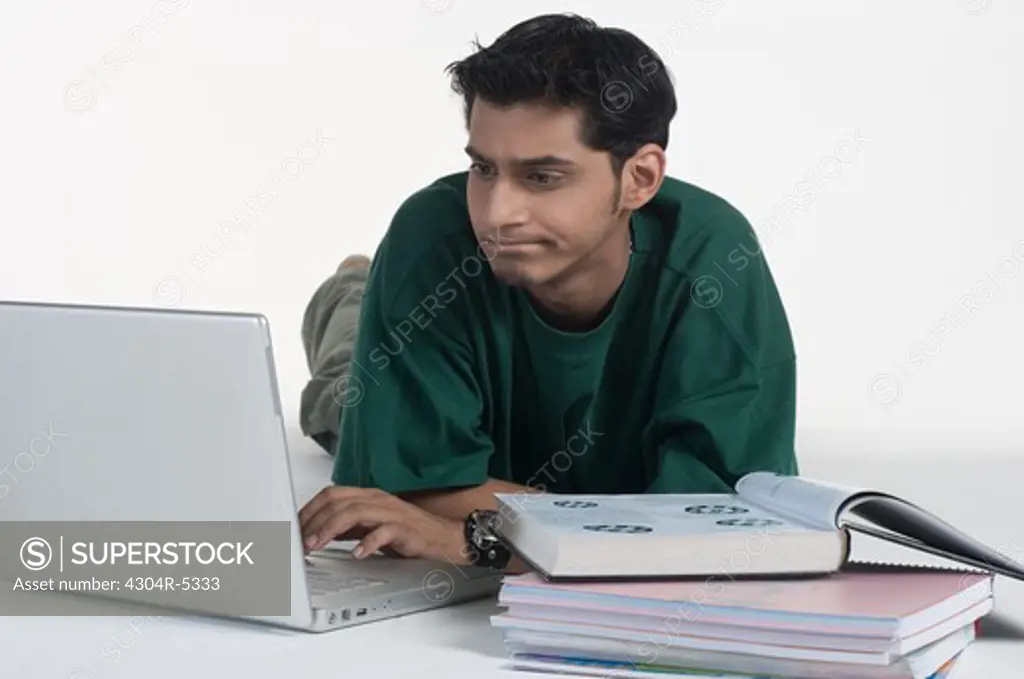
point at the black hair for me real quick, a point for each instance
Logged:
(565, 60)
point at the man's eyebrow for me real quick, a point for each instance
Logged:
(540, 161)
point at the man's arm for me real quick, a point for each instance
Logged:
(412, 424)
(725, 403)
(458, 503)
(743, 423)
(413, 420)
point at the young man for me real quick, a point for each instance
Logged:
(563, 317)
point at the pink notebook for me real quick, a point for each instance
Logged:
(885, 598)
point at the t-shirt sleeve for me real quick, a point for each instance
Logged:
(412, 409)
(725, 404)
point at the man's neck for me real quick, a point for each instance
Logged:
(582, 298)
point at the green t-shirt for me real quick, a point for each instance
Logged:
(688, 383)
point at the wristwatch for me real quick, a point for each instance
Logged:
(486, 548)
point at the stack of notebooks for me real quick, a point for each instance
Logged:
(854, 624)
(755, 584)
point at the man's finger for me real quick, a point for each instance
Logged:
(348, 523)
(363, 515)
(329, 495)
(315, 504)
(330, 519)
(315, 524)
(382, 536)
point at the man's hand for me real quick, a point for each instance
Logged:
(380, 521)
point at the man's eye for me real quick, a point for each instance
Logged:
(542, 178)
(480, 169)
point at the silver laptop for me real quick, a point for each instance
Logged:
(172, 415)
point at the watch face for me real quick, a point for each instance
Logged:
(492, 520)
(479, 535)
(485, 541)
(479, 527)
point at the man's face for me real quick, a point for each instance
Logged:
(543, 199)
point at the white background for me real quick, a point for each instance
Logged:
(128, 148)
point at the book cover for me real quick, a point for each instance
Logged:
(879, 595)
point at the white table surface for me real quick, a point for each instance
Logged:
(974, 492)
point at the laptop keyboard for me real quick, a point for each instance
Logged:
(329, 581)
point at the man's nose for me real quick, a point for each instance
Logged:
(505, 205)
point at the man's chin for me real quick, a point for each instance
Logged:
(514, 276)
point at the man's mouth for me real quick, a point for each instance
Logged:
(520, 246)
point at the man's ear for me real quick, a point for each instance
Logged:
(642, 176)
